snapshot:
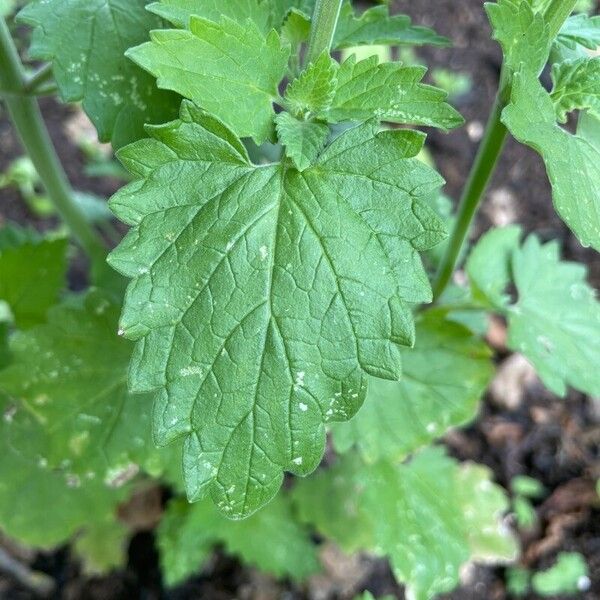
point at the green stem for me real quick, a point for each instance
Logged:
(324, 20)
(41, 76)
(556, 14)
(488, 153)
(31, 129)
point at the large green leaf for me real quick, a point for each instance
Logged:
(576, 86)
(86, 41)
(429, 516)
(390, 92)
(443, 378)
(555, 320)
(271, 540)
(572, 163)
(230, 69)
(68, 393)
(32, 273)
(262, 296)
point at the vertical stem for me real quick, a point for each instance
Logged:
(487, 156)
(324, 20)
(31, 129)
(556, 14)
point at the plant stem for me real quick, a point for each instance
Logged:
(41, 76)
(487, 156)
(31, 129)
(324, 20)
(556, 14)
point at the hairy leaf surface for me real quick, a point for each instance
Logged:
(32, 274)
(70, 404)
(302, 140)
(86, 41)
(429, 516)
(271, 540)
(443, 378)
(230, 69)
(262, 296)
(390, 92)
(572, 163)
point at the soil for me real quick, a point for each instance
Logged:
(553, 440)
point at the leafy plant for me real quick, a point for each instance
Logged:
(285, 238)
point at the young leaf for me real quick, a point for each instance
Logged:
(271, 540)
(523, 34)
(230, 69)
(86, 41)
(429, 516)
(71, 408)
(569, 575)
(580, 29)
(262, 296)
(302, 140)
(555, 321)
(573, 164)
(576, 86)
(389, 92)
(313, 91)
(32, 274)
(26, 489)
(376, 26)
(102, 546)
(443, 378)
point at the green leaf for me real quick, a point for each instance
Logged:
(230, 69)
(86, 41)
(527, 486)
(271, 540)
(303, 140)
(443, 378)
(32, 274)
(523, 34)
(429, 516)
(576, 86)
(588, 127)
(262, 296)
(71, 408)
(488, 265)
(376, 26)
(572, 163)
(580, 30)
(102, 547)
(555, 321)
(37, 506)
(313, 91)
(568, 576)
(389, 92)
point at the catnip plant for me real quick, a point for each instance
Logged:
(286, 278)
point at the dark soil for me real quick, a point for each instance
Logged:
(555, 441)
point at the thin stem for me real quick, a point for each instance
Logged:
(41, 76)
(556, 14)
(324, 21)
(488, 153)
(31, 129)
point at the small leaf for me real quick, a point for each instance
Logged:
(523, 34)
(443, 378)
(568, 576)
(102, 546)
(576, 87)
(262, 296)
(573, 164)
(231, 70)
(86, 41)
(71, 407)
(303, 140)
(390, 92)
(376, 26)
(429, 516)
(271, 540)
(314, 90)
(32, 274)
